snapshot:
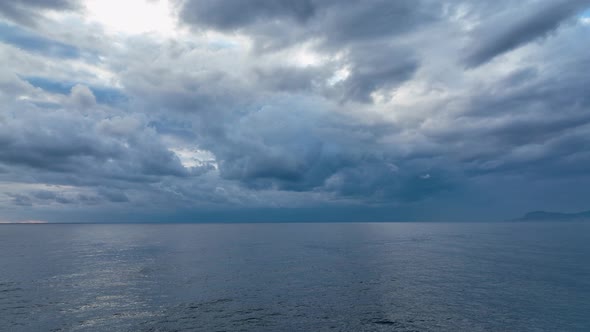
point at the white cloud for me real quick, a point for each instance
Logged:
(133, 17)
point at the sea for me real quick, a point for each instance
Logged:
(296, 277)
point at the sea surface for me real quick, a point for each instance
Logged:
(296, 277)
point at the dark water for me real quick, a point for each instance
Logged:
(296, 277)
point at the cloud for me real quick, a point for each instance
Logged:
(377, 67)
(82, 96)
(21, 200)
(26, 11)
(504, 34)
(104, 95)
(279, 23)
(71, 141)
(231, 14)
(35, 43)
(360, 30)
(377, 107)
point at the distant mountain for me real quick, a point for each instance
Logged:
(555, 216)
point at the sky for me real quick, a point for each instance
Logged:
(308, 110)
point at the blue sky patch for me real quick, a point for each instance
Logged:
(104, 95)
(34, 43)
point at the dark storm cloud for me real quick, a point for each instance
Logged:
(307, 103)
(264, 141)
(536, 110)
(234, 14)
(71, 143)
(376, 67)
(361, 21)
(371, 68)
(301, 148)
(530, 123)
(336, 22)
(507, 33)
(362, 29)
(290, 144)
(382, 181)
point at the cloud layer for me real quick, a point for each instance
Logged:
(396, 110)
